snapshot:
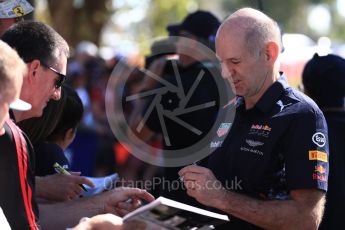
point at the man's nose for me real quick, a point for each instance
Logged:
(226, 73)
(57, 94)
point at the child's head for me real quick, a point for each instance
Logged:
(72, 113)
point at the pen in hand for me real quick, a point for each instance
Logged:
(63, 171)
(194, 163)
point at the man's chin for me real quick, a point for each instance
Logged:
(240, 93)
(34, 113)
(38, 113)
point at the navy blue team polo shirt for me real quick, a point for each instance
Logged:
(279, 145)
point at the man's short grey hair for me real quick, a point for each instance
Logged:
(258, 28)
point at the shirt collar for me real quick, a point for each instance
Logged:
(272, 94)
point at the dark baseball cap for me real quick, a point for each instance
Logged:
(324, 79)
(202, 24)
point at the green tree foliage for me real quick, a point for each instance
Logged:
(292, 14)
(164, 12)
(79, 22)
(84, 19)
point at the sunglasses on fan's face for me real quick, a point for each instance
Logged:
(60, 80)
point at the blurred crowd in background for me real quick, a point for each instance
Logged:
(95, 150)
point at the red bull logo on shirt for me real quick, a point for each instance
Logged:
(260, 130)
(322, 178)
(261, 127)
(320, 169)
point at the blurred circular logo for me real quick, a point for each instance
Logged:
(180, 104)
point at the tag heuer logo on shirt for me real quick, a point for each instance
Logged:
(223, 129)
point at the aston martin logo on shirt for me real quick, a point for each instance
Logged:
(253, 143)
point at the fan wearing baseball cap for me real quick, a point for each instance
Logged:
(202, 24)
(324, 81)
(196, 32)
(12, 11)
(17, 196)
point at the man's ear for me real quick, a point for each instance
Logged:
(272, 52)
(32, 70)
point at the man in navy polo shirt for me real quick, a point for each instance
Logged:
(271, 170)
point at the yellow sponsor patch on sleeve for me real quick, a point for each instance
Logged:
(318, 156)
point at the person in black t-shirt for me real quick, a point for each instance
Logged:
(17, 197)
(195, 75)
(271, 170)
(324, 81)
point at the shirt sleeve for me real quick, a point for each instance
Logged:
(46, 155)
(306, 152)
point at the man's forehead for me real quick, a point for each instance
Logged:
(229, 45)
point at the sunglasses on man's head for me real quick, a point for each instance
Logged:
(60, 80)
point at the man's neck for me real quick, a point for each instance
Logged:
(250, 101)
(2, 131)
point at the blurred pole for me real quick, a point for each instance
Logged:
(260, 5)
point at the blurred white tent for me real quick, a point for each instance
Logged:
(298, 49)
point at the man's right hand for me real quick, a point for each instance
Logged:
(100, 222)
(123, 200)
(58, 187)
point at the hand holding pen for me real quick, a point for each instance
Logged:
(202, 184)
(63, 171)
(196, 163)
(69, 184)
